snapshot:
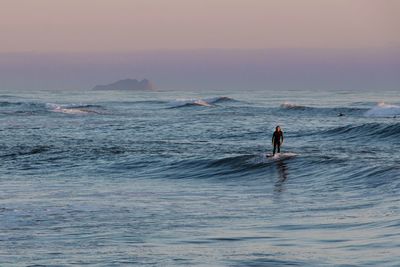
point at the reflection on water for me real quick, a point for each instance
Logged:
(283, 174)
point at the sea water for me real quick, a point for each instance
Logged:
(180, 178)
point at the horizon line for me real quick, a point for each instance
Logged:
(303, 49)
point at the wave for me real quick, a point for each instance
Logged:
(229, 167)
(336, 111)
(30, 108)
(24, 151)
(22, 108)
(9, 96)
(15, 104)
(138, 102)
(382, 130)
(187, 103)
(218, 99)
(364, 104)
(76, 109)
(205, 102)
(383, 110)
(289, 105)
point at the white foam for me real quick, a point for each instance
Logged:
(67, 109)
(290, 105)
(205, 102)
(186, 102)
(383, 110)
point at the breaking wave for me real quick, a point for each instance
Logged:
(383, 110)
(76, 109)
(31, 108)
(289, 105)
(205, 102)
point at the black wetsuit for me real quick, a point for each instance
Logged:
(277, 139)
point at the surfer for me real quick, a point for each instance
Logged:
(277, 139)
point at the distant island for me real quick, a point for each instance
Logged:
(127, 85)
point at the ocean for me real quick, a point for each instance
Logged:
(176, 178)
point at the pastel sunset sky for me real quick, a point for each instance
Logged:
(130, 25)
(201, 44)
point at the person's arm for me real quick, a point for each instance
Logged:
(273, 137)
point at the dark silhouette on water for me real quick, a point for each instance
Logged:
(277, 139)
(282, 173)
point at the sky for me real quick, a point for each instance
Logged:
(131, 25)
(200, 43)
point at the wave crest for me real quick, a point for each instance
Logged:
(204, 102)
(289, 105)
(76, 109)
(383, 110)
(382, 130)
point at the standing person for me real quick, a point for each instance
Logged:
(277, 139)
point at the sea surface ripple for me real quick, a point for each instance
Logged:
(183, 178)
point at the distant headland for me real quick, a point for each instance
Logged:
(128, 85)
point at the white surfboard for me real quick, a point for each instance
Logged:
(282, 155)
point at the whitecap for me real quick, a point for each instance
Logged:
(383, 110)
(189, 102)
(289, 105)
(70, 109)
(205, 102)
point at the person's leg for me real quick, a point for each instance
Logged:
(273, 153)
(279, 148)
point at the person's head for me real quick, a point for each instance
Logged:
(278, 128)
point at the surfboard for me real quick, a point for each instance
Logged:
(281, 155)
